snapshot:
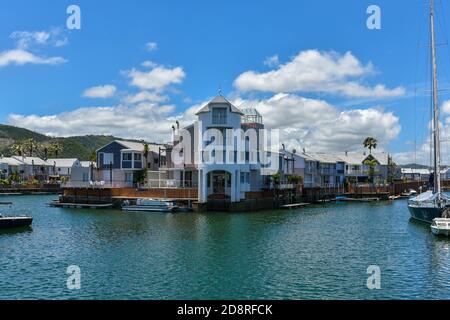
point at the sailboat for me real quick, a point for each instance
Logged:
(434, 203)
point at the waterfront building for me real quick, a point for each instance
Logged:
(62, 167)
(32, 167)
(118, 161)
(221, 164)
(8, 166)
(412, 174)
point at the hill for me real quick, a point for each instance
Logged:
(72, 147)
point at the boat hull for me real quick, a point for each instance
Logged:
(440, 232)
(148, 209)
(425, 214)
(15, 222)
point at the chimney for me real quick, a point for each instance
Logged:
(346, 153)
(304, 151)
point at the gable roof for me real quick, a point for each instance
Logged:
(219, 100)
(31, 161)
(10, 161)
(61, 162)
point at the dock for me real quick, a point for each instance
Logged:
(294, 206)
(80, 205)
(357, 199)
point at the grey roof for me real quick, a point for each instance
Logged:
(219, 100)
(325, 158)
(416, 171)
(62, 163)
(31, 161)
(10, 161)
(352, 158)
(138, 146)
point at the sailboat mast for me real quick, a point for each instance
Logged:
(436, 143)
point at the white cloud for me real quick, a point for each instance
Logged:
(151, 46)
(26, 39)
(318, 126)
(149, 64)
(320, 72)
(145, 96)
(304, 123)
(105, 91)
(157, 78)
(272, 61)
(22, 57)
(142, 121)
(422, 154)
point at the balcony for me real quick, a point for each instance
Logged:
(357, 172)
(328, 171)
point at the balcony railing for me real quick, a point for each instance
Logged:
(329, 171)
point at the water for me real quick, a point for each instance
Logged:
(318, 252)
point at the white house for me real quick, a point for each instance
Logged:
(62, 167)
(221, 151)
(32, 167)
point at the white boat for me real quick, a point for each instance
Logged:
(441, 226)
(150, 205)
(410, 193)
(433, 204)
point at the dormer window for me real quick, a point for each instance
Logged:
(219, 116)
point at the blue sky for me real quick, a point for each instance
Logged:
(199, 46)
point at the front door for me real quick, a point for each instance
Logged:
(218, 183)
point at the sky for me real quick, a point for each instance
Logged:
(313, 69)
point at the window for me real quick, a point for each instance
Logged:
(219, 116)
(126, 157)
(137, 157)
(85, 177)
(108, 158)
(128, 177)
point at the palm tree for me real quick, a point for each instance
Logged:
(17, 148)
(56, 148)
(372, 163)
(92, 159)
(146, 151)
(370, 143)
(31, 146)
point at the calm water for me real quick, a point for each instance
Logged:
(317, 252)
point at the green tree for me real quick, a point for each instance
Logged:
(370, 143)
(31, 146)
(140, 176)
(146, 151)
(92, 160)
(17, 149)
(372, 163)
(55, 149)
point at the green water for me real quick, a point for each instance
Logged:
(318, 252)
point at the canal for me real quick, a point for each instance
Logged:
(317, 252)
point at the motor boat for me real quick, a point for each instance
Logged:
(150, 205)
(14, 222)
(441, 226)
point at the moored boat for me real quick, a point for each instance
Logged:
(14, 222)
(441, 226)
(432, 204)
(150, 205)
